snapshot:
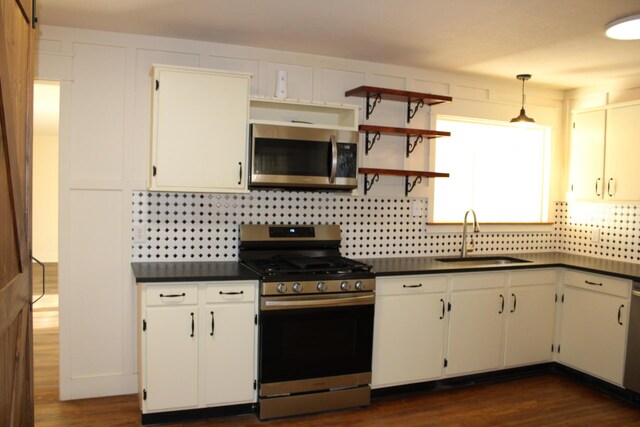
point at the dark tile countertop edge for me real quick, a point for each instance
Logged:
(162, 272)
(429, 265)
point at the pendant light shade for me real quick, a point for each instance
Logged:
(522, 118)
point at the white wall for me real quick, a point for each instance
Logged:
(45, 197)
(104, 136)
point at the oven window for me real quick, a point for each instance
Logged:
(292, 157)
(315, 343)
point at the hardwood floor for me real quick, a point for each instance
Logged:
(544, 400)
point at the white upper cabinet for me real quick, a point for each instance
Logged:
(604, 147)
(622, 173)
(199, 130)
(587, 154)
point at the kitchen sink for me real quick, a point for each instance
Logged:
(482, 261)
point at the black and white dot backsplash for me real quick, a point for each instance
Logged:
(195, 226)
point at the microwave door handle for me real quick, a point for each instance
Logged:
(334, 159)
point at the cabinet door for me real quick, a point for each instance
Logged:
(530, 325)
(200, 126)
(172, 358)
(475, 331)
(622, 173)
(229, 334)
(408, 338)
(593, 340)
(587, 155)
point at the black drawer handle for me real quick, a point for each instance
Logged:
(515, 301)
(620, 314)
(412, 286)
(172, 295)
(442, 315)
(502, 304)
(193, 325)
(232, 293)
(592, 283)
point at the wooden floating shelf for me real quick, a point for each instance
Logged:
(385, 130)
(398, 172)
(398, 95)
(408, 185)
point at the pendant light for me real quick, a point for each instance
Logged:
(626, 28)
(522, 118)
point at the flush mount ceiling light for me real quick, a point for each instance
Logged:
(522, 118)
(627, 28)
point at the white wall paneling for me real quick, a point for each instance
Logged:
(104, 139)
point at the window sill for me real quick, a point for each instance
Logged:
(492, 227)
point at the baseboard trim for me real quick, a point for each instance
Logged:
(196, 414)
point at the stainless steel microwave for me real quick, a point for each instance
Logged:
(296, 157)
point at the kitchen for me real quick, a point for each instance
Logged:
(104, 164)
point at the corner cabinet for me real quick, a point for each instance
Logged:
(604, 149)
(199, 130)
(196, 345)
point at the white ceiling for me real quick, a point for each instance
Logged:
(560, 42)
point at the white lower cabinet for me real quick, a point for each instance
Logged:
(189, 358)
(475, 331)
(531, 317)
(595, 311)
(229, 338)
(172, 358)
(409, 329)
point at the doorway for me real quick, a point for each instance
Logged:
(46, 348)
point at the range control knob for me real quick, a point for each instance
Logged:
(359, 285)
(281, 288)
(322, 287)
(297, 288)
(345, 286)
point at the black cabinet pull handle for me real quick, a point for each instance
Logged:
(515, 301)
(240, 173)
(442, 315)
(193, 325)
(598, 182)
(412, 286)
(172, 295)
(592, 283)
(620, 313)
(213, 324)
(232, 293)
(502, 304)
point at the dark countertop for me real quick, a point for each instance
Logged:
(146, 272)
(429, 265)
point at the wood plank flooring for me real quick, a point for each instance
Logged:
(543, 400)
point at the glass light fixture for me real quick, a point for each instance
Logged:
(522, 118)
(626, 28)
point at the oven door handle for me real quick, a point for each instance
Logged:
(290, 303)
(334, 159)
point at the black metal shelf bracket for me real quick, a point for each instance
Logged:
(369, 143)
(408, 187)
(372, 106)
(410, 146)
(368, 184)
(411, 111)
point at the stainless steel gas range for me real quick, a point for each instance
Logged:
(316, 319)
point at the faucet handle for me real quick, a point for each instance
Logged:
(470, 245)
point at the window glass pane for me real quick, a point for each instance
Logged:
(495, 168)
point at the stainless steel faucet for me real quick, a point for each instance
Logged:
(476, 229)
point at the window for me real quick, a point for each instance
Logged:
(499, 170)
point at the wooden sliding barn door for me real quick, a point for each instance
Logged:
(16, 90)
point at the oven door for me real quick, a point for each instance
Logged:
(315, 342)
(283, 156)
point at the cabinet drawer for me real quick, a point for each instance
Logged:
(172, 294)
(231, 292)
(534, 277)
(598, 283)
(410, 284)
(471, 281)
